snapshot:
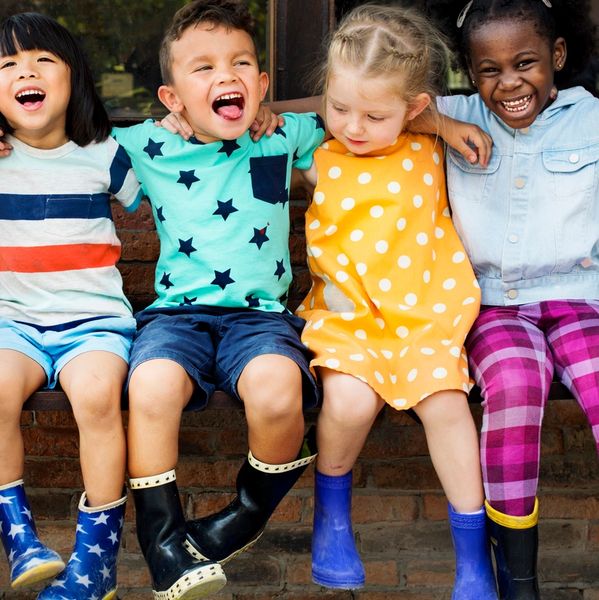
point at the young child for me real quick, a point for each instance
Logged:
(530, 224)
(220, 202)
(63, 314)
(393, 294)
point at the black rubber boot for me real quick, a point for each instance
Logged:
(176, 575)
(260, 488)
(515, 541)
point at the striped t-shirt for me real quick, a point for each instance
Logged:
(58, 243)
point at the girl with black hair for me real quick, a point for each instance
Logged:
(63, 314)
(529, 220)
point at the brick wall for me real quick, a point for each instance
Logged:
(399, 509)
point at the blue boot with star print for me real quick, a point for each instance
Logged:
(91, 570)
(29, 560)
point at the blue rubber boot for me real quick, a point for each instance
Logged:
(474, 577)
(91, 570)
(335, 559)
(29, 560)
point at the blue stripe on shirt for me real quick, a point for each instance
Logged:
(24, 207)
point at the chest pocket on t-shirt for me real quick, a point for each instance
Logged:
(69, 215)
(572, 171)
(467, 182)
(269, 178)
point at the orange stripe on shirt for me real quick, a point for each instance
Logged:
(68, 257)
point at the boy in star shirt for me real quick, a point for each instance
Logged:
(220, 203)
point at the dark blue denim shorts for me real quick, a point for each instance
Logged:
(215, 344)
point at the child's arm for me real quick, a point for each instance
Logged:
(474, 144)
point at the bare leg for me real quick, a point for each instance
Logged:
(159, 390)
(453, 446)
(270, 386)
(93, 382)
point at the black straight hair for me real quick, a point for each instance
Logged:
(86, 119)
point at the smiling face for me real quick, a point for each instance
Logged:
(35, 88)
(369, 116)
(216, 82)
(513, 67)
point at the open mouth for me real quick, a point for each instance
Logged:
(29, 98)
(518, 105)
(229, 106)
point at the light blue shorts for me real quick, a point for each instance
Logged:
(53, 347)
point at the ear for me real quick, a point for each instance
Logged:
(263, 83)
(417, 105)
(559, 53)
(170, 99)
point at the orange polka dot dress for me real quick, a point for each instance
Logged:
(393, 294)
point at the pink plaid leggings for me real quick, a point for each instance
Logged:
(513, 351)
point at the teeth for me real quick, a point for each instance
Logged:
(29, 93)
(517, 105)
(229, 96)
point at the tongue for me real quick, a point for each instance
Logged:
(230, 111)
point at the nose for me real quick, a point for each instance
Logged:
(354, 124)
(509, 80)
(226, 75)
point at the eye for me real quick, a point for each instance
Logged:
(8, 63)
(488, 70)
(376, 119)
(46, 59)
(202, 68)
(243, 63)
(525, 63)
(338, 109)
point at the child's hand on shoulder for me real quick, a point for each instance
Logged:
(266, 122)
(5, 147)
(474, 144)
(176, 123)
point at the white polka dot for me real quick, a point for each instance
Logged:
(331, 350)
(315, 224)
(439, 232)
(446, 342)
(301, 308)
(332, 363)
(325, 145)
(342, 259)
(416, 146)
(312, 302)
(376, 302)
(455, 351)
(381, 246)
(417, 200)
(376, 212)
(334, 172)
(360, 334)
(446, 212)
(380, 323)
(404, 351)
(401, 224)
(318, 324)
(399, 402)
(372, 353)
(341, 276)
(356, 357)
(466, 372)
(387, 354)
(439, 308)
(458, 257)
(436, 158)
(331, 230)
(434, 255)
(412, 375)
(394, 187)
(428, 179)
(393, 378)
(379, 377)
(427, 351)
(348, 316)
(469, 300)
(318, 198)
(403, 307)
(402, 332)
(440, 373)
(385, 285)
(411, 299)
(361, 268)
(407, 164)
(356, 235)
(364, 178)
(476, 285)
(404, 262)
(426, 276)
(347, 203)
(422, 239)
(457, 320)
(427, 328)
(316, 251)
(449, 284)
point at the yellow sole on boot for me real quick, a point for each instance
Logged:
(48, 570)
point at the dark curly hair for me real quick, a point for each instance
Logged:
(569, 19)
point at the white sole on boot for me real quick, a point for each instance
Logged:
(199, 556)
(200, 583)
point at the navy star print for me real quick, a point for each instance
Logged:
(229, 146)
(166, 281)
(252, 302)
(225, 209)
(222, 279)
(260, 237)
(280, 131)
(153, 148)
(187, 178)
(280, 270)
(188, 301)
(185, 246)
(159, 214)
(319, 122)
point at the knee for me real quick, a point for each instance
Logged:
(444, 409)
(96, 401)
(351, 406)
